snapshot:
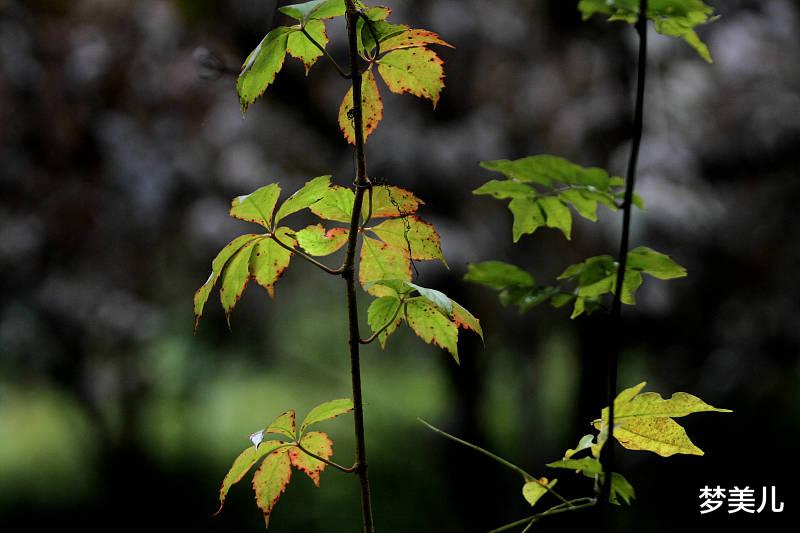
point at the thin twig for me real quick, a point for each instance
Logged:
(330, 58)
(371, 338)
(500, 460)
(558, 509)
(305, 256)
(607, 458)
(326, 461)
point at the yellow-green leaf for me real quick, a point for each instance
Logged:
(412, 234)
(317, 443)
(270, 260)
(300, 46)
(310, 193)
(217, 265)
(284, 425)
(336, 205)
(432, 326)
(412, 38)
(528, 217)
(371, 108)
(327, 411)
(235, 277)
(389, 201)
(314, 10)
(465, 319)
(381, 312)
(535, 489)
(262, 65)
(318, 242)
(242, 464)
(418, 71)
(271, 480)
(258, 206)
(557, 215)
(379, 261)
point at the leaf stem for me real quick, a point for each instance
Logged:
(330, 58)
(371, 338)
(607, 456)
(368, 22)
(333, 272)
(326, 461)
(497, 458)
(574, 505)
(348, 270)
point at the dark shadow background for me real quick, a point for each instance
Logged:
(117, 165)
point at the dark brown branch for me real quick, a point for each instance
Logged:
(622, 258)
(361, 184)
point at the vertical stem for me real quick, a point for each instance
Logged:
(348, 272)
(622, 258)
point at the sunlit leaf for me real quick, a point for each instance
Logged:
(283, 425)
(271, 480)
(466, 320)
(417, 71)
(336, 205)
(314, 10)
(270, 260)
(379, 261)
(318, 242)
(432, 326)
(505, 189)
(301, 47)
(258, 206)
(534, 490)
(235, 277)
(412, 38)
(326, 411)
(556, 215)
(437, 298)
(242, 464)
(589, 466)
(317, 443)
(654, 263)
(262, 65)
(371, 108)
(528, 217)
(412, 234)
(310, 193)
(390, 201)
(381, 312)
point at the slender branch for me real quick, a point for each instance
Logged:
(499, 459)
(305, 256)
(330, 58)
(622, 259)
(371, 338)
(574, 505)
(361, 183)
(326, 461)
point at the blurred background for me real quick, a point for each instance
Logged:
(120, 150)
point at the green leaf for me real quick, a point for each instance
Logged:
(498, 275)
(314, 10)
(428, 322)
(621, 488)
(271, 480)
(439, 299)
(256, 207)
(317, 443)
(336, 205)
(301, 47)
(651, 404)
(235, 278)
(465, 319)
(630, 284)
(676, 18)
(397, 287)
(547, 169)
(525, 298)
(262, 65)
(242, 464)
(587, 441)
(270, 260)
(586, 206)
(389, 201)
(412, 234)
(318, 242)
(557, 215)
(535, 489)
(503, 189)
(284, 425)
(656, 264)
(326, 411)
(412, 38)
(379, 29)
(371, 108)
(380, 312)
(310, 193)
(417, 71)
(217, 265)
(379, 261)
(588, 466)
(528, 217)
